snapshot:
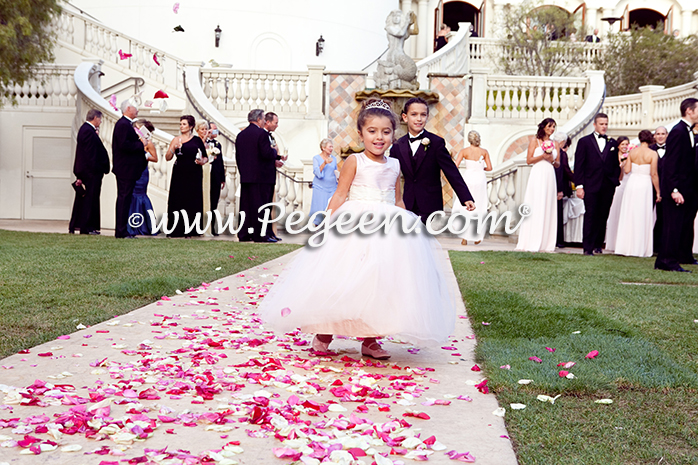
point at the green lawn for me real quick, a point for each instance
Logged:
(647, 362)
(49, 283)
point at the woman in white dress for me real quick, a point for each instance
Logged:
(636, 220)
(367, 285)
(538, 231)
(477, 161)
(614, 212)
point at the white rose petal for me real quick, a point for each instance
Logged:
(517, 406)
(499, 412)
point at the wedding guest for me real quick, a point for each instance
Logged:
(441, 38)
(636, 218)
(597, 173)
(324, 179)
(91, 164)
(614, 213)
(271, 124)
(217, 169)
(538, 231)
(477, 161)
(186, 191)
(128, 165)
(140, 203)
(678, 189)
(564, 177)
(593, 37)
(659, 146)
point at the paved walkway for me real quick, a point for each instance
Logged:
(196, 374)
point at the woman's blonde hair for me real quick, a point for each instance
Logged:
(199, 125)
(474, 138)
(324, 142)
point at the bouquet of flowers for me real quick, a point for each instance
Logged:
(548, 146)
(212, 151)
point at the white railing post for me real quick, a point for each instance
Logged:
(648, 105)
(315, 91)
(307, 191)
(479, 96)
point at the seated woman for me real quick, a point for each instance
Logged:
(141, 203)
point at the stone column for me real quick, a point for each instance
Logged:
(315, 89)
(648, 105)
(423, 37)
(686, 23)
(590, 23)
(479, 96)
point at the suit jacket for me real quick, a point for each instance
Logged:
(592, 169)
(217, 166)
(423, 180)
(254, 156)
(127, 151)
(564, 175)
(91, 158)
(592, 39)
(679, 163)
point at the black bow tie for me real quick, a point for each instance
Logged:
(662, 147)
(692, 126)
(419, 137)
(602, 136)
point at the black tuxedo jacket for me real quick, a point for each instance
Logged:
(564, 175)
(679, 163)
(254, 156)
(423, 180)
(592, 168)
(592, 39)
(91, 158)
(127, 151)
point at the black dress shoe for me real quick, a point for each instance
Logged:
(94, 233)
(591, 254)
(244, 239)
(598, 250)
(560, 246)
(690, 262)
(266, 239)
(278, 239)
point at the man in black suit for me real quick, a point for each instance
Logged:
(256, 163)
(594, 37)
(129, 159)
(217, 171)
(564, 178)
(422, 156)
(679, 190)
(271, 123)
(597, 173)
(659, 146)
(91, 164)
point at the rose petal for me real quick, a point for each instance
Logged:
(285, 311)
(592, 354)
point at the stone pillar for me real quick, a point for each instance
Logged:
(479, 96)
(590, 23)
(686, 23)
(423, 37)
(648, 105)
(315, 90)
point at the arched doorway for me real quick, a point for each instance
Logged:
(455, 12)
(644, 17)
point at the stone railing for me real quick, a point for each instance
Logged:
(451, 59)
(50, 86)
(507, 181)
(528, 97)
(489, 53)
(653, 106)
(287, 93)
(81, 32)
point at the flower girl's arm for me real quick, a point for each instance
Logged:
(345, 179)
(398, 195)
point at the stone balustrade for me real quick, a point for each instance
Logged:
(452, 59)
(50, 86)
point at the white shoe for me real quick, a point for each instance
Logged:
(374, 350)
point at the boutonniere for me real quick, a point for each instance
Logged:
(612, 149)
(425, 143)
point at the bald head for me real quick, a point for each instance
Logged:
(660, 135)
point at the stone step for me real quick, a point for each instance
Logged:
(167, 121)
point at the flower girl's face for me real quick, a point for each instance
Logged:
(377, 135)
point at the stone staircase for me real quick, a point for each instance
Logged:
(167, 122)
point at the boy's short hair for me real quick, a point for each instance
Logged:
(415, 100)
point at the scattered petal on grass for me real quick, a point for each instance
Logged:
(485, 323)
(563, 373)
(219, 268)
(550, 349)
(499, 412)
(81, 326)
(63, 337)
(603, 401)
(566, 365)
(517, 406)
(535, 359)
(482, 263)
(544, 398)
(525, 381)
(482, 387)
(505, 367)
(576, 332)
(570, 376)
(592, 354)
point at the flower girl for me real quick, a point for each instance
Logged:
(367, 285)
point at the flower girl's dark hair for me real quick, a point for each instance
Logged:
(375, 107)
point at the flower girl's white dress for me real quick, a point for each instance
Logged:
(367, 285)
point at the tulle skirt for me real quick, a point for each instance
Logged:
(367, 285)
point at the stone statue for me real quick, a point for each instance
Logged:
(397, 70)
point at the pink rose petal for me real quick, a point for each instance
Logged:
(285, 311)
(535, 359)
(592, 354)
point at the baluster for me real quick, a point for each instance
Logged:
(539, 101)
(511, 193)
(31, 91)
(282, 190)
(499, 86)
(490, 99)
(291, 196)
(295, 107)
(208, 86)
(547, 100)
(263, 92)
(278, 95)
(531, 106)
(246, 93)
(254, 92)
(556, 89)
(507, 101)
(502, 195)
(238, 92)
(494, 199)
(303, 95)
(515, 99)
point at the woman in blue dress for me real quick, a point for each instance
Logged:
(140, 202)
(325, 179)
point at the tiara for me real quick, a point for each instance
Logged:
(379, 104)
